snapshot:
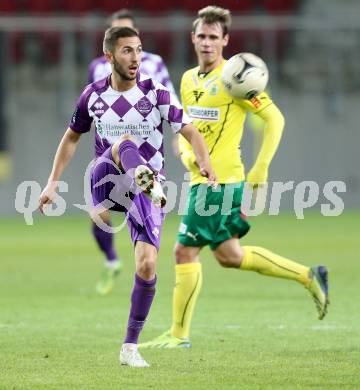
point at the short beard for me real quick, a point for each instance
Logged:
(120, 71)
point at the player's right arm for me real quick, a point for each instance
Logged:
(80, 123)
(64, 154)
(198, 145)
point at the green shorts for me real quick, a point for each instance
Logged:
(213, 216)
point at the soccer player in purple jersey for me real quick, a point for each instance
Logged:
(128, 109)
(153, 66)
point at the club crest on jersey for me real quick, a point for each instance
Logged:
(144, 106)
(214, 89)
(197, 95)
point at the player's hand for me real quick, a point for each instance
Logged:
(207, 171)
(258, 175)
(47, 196)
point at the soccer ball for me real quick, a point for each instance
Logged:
(244, 76)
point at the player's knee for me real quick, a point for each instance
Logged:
(116, 145)
(225, 262)
(147, 268)
(230, 260)
(182, 254)
(97, 217)
(146, 265)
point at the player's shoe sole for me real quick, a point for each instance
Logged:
(145, 179)
(319, 289)
(167, 341)
(106, 283)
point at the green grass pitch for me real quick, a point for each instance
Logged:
(249, 331)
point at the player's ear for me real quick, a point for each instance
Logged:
(109, 56)
(192, 37)
(226, 40)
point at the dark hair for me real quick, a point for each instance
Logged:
(118, 15)
(112, 34)
(213, 14)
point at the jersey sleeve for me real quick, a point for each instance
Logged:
(81, 120)
(171, 110)
(256, 104)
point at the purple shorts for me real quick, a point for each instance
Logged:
(116, 191)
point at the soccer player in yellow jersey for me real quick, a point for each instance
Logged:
(220, 119)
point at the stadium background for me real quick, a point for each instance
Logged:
(312, 51)
(248, 331)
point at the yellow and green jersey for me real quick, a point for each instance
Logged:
(220, 119)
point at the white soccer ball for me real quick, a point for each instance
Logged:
(244, 76)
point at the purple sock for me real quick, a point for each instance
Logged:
(129, 155)
(105, 242)
(141, 299)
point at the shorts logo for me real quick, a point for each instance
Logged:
(155, 232)
(182, 228)
(193, 236)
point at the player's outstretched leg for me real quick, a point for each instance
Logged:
(129, 158)
(268, 263)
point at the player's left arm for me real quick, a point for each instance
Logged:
(196, 140)
(274, 125)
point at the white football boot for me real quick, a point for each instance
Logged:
(130, 356)
(145, 179)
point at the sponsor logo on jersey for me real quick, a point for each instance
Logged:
(99, 128)
(75, 115)
(107, 130)
(204, 113)
(205, 130)
(99, 105)
(256, 102)
(197, 95)
(99, 108)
